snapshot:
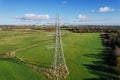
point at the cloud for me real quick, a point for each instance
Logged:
(82, 17)
(106, 9)
(64, 2)
(33, 17)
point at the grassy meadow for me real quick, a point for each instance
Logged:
(77, 49)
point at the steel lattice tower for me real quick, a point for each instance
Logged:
(60, 70)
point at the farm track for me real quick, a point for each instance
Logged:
(35, 45)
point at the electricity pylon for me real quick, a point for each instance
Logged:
(60, 70)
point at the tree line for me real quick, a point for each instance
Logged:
(73, 28)
(112, 40)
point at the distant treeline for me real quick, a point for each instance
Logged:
(90, 28)
(78, 28)
(12, 27)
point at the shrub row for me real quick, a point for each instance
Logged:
(112, 40)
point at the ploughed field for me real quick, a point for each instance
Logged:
(36, 47)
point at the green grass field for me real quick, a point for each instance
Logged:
(10, 70)
(77, 48)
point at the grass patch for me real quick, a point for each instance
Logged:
(10, 70)
(77, 47)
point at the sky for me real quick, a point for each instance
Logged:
(77, 12)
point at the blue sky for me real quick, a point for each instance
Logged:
(85, 12)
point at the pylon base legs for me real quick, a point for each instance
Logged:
(60, 73)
